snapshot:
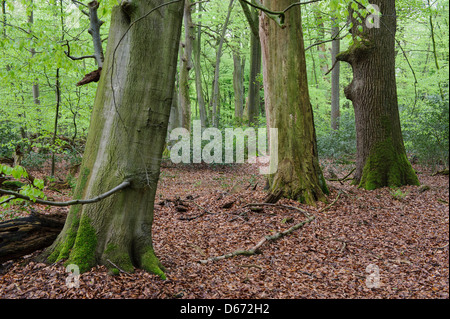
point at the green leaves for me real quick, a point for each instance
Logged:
(18, 172)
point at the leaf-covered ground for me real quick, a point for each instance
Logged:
(401, 236)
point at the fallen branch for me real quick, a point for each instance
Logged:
(123, 185)
(256, 249)
(332, 203)
(343, 179)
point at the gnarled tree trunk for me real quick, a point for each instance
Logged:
(125, 142)
(381, 157)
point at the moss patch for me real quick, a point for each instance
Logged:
(83, 251)
(385, 166)
(119, 256)
(150, 263)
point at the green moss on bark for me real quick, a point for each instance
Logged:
(151, 263)
(119, 257)
(385, 166)
(83, 251)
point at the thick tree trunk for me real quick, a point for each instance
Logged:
(125, 142)
(288, 107)
(381, 157)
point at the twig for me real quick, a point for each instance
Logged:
(332, 203)
(343, 179)
(123, 185)
(8, 200)
(205, 211)
(121, 270)
(277, 16)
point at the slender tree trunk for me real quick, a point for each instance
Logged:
(335, 49)
(33, 52)
(185, 67)
(94, 30)
(197, 45)
(55, 129)
(288, 107)
(433, 41)
(238, 85)
(381, 157)
(125, 142)
(253, 99)
(254, 85)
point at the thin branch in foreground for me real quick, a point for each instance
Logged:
(256, 249)
(15, 195)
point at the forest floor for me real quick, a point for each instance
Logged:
(397, 237)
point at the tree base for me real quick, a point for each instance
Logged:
(387, 167)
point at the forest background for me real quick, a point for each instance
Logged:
(46, 50)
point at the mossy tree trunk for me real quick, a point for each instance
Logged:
(125, 142)
(381, 157)
(288, 107)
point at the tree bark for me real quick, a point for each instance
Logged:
(94, 30)
(125, 142)
(254, 84)
(185, 67)
(288, 107)
(381, 157)
(335, 73)
(238, 85)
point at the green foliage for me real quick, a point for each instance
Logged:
(340, 144)
(398, 194)
(426, 130)
(33, 191)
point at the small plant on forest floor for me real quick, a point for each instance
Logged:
(398, 194)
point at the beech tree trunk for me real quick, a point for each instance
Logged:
(186, 66)
(254, 85)
(381, 157)
(288, 107)
(125, 142)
